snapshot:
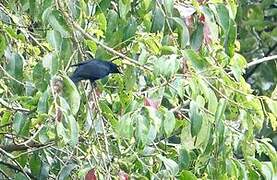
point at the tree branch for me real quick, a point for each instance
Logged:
(129, 61)
(262, 60)
(21, 147)
(8, 106)
(250, 71)
(15, 168)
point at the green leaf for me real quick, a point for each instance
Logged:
(267, 170)
(167, 50)
(21, 124)
(91, 45)
(169, 5)
(73, 130)
(51, 62)
(187, 175)
(229, 43)
(169, 164)
(158, 20)
(66, 50)
(6, 117)
(66, 171)
(197, 62)
(20, 176)
(45, 15)
(125, 127)
(102, 22)
(184, 159)
(43, 102)
(183, 32)
(130, 29)
(238, 63)
(103, 6)
(3, 45)
(197, 37)
(204, 133)
(61, 132)
(32, 8)
(141, 129)
(108, 113)
(71, 94)
(54, 39)
(272, 105)
(169, 122)
(35, 164)
(15, 69)
(40, 77)
(56, 20)
(130, 79)
(153, 114)
(152, 45)
(196, 118)
(124, 8)
(220, 110)
(43, 136)
(223, 17)
(166, 65)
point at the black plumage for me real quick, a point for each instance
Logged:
(93, 70)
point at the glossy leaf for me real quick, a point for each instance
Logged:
(56, 20)
(196, 119)
(158, 20)
(197, 62)
(21, 124)
(170, 165)
(51, 62)
(183, 32)
(74, 132)
(15, 69)
(187, 175)
(66, 171)
(169, 122)
(184, 159)
(2, 45)
(72, 95)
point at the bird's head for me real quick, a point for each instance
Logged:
(114, 68)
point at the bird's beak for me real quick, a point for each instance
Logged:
(120, 71)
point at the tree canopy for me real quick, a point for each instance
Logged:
(197, 99)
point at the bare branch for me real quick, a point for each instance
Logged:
(15, 168)
(9, 106)
(129, 60)
(21, 147)
(262, 60)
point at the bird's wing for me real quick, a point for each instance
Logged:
(92, 70)
(81, 63)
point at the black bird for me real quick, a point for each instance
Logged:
(93, 70)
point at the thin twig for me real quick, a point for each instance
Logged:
(15, 168)
(33, 137)
(129, 61)
(35, 149)
(20, 147)
(19, 167)
(4, 125)
(9, 106)
(10, 76)
(262, 60)
(4, 174)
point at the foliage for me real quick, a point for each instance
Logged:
(258, 38)
(181, 109)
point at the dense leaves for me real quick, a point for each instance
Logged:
(181, 109)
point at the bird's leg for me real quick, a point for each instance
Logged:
(93, 84)
(94, 95)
